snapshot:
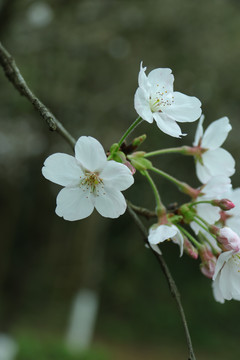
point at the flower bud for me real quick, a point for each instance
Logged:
(139, 140)
(229, 239)
(190, 249)
(224, 204)
(139, 162)
(208, 264)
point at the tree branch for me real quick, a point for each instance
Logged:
(13, 74)
(171, 283)
(142, 211)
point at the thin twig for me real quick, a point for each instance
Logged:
(171, 283)
(142, 211)
(13, 74)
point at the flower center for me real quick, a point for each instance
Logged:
(159, 100)
(91, 183)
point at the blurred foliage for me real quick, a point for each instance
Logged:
(82, 59)
(30, 347)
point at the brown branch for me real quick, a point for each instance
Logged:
(171, 283)
(142, 211)
(14, 76)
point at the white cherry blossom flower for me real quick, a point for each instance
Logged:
(226, 279)
(214, 160)
(89, 180)
(156, 100)
(158, 234)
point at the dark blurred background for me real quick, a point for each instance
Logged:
(81, 58)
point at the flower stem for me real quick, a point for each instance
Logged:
(182, 186)
(200, 202)
(189, 236)
(129, 130)
(160, 208)
(184, 150)
(203, 221)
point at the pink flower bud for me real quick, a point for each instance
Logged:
(190, 249)
(229, 239)
(208, 264)
(224, 204)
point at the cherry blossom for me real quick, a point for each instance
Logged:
(212, 160)
(89, 180)
(226, 279)
(156, 100)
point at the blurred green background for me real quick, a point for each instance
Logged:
(82, 59)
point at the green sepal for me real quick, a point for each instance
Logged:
(114, 148)
(119, 156)
(175, 219)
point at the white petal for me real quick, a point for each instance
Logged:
(208, 212)
(184, 108)
(161, 233)
(202, 172)
(234, 196)
(117, 175)
(142, 105)
(225, 282)
(142, 78)
(216, 187)
(112, 204)
(90, 153)
(219, 162)
(161, 78)
(216, 291)
(196, 228)
(155, 248)
(62, 169)
(234, 223)
(178, 239)
(199, 131)
(216, 133)
(223, 257)
(74, 204)
(167, 125)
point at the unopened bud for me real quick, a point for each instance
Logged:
(224, 204)
(139, 140)
(214, 229)
(190, 249)
(139, 162)
(209, 260)
(229, 239)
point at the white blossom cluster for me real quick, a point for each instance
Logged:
(93, 180)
